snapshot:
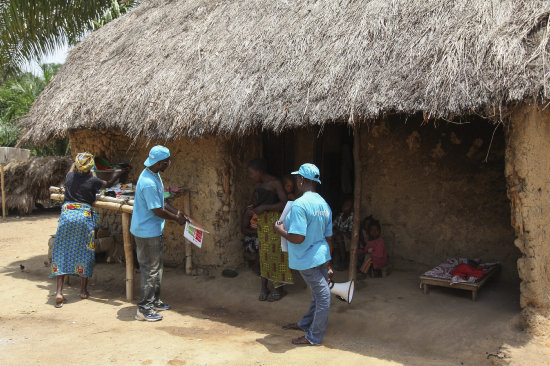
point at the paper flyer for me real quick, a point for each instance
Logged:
(193, 234)
(284, 244)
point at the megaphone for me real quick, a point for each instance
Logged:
(343, 291)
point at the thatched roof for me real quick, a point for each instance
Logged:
(172, 68)
(29, 182)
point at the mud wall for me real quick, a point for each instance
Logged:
(207, 167)
(433, 193)
(527, 175)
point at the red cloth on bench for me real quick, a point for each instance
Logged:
(466, 270)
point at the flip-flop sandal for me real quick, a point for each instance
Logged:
(264, 294)
(302, 341)
(59, 302)
(276, 296)
(291, 326)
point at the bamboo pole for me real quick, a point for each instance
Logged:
(100, 204)
(3, 192)
(188, 247)
(129, 255)
(356, 201)
(125, 201)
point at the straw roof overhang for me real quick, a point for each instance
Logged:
(188, 68)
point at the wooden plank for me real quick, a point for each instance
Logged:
(128, 255)
(188, 245)
(356, 202)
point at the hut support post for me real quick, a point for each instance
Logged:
(188, 247)
(356, 201)
(129, 255)
(3, 192)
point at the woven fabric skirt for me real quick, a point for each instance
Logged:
(273, 261)
(74, 249)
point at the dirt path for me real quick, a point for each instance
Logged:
(218, 321)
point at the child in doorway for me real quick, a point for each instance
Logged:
(374, 253)
(342, 227)
(288, 185)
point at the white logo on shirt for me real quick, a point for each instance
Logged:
(321, 213)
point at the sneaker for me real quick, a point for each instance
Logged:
(159, 305)
(150, 317)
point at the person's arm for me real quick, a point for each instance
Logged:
(297, 226)
(279, 206)
(171, 209)
(293, 238)
(154, 202)
(165, 214)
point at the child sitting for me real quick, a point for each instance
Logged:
(374, 253)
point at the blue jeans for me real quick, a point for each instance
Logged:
(315, 322)
(149, 254)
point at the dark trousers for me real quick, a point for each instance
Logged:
(149, 254)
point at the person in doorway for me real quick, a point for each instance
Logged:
(343, 225)
(74, 249)
(374, 253)
(288, 185)
(150, 213)
(270, 199)
(308, 229)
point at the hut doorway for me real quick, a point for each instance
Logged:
(330, 149)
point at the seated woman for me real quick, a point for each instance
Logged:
(74, 249)
(270, 200)
(374, 253)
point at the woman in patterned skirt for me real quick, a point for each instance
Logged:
(74, 249)
(269, 200)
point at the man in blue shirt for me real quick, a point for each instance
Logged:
(309, 232)
(150, 212)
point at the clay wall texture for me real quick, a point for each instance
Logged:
(433, 193)
(527, 175)
(211, 168)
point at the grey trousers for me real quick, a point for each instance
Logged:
(149, 254)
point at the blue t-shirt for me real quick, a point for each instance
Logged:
(149, 195)
(310, 216)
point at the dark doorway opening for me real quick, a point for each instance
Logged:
(331, 149)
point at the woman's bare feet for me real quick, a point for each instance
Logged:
(84, 294)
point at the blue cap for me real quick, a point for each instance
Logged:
(156, 154)
(309, 171)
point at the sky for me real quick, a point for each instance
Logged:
(57, 57)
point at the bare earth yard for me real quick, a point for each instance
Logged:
(219, 321)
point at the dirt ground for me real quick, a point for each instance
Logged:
(219, 321)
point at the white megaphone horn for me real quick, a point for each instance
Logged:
(343, 291)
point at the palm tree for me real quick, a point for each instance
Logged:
(32, 28)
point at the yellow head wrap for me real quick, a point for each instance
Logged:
(84, 162)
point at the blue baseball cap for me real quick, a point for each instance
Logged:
(156, 154)
(309, 171)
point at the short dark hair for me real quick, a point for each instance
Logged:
(258, 164)
(376, 224)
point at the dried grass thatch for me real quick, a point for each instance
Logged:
(172, 68)
(29, 182)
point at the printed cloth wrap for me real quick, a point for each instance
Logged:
(273, 261)
(74, 248)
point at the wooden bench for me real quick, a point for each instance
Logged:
(426, 281)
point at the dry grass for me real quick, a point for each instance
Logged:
(29, 182)
(173, 68)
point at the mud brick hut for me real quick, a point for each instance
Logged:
(444, 104)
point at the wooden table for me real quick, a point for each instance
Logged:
(426, 281)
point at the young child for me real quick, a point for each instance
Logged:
(375, 251)
(342, 227)
(288, 185)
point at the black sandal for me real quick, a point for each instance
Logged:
(264, 294)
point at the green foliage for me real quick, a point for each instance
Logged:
(30, 29)
(117, 9)
(16, 97)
